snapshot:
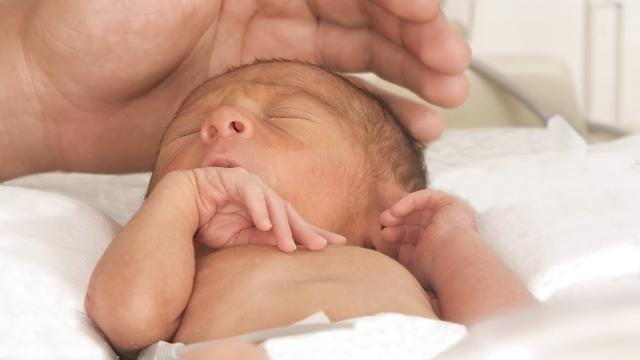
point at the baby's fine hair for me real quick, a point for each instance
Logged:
(393, 153)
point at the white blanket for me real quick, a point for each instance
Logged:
(49, 245)
(558, 218)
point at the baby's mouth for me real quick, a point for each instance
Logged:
(222, 161)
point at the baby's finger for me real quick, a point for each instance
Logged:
(254, 199)
(393, 234)
(410, 203)
(387, 219)
(419, 200)
(406, 234)
(280, 221)
(303, 231)
(332, 238)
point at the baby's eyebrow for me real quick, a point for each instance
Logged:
(316, 97)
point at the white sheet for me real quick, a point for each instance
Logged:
(49, 245)
(558, 218)
(383, 336)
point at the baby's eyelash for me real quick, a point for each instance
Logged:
(287, 116)
(277, 115)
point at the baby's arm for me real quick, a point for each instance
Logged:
(471, 283)
(440, 244)
(143, 282)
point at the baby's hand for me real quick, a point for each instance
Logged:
(236, 207)
(420, 222)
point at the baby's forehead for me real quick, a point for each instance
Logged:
(286, 74)
(279, 78)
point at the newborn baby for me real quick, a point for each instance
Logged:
(258, 173)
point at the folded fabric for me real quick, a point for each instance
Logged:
(384, 336)
(558, 218)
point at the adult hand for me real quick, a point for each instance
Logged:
(98, 81)
(236, 207)
(418, 224)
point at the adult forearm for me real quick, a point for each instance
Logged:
(471, 282)
(143, 282)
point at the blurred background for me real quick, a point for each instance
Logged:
(579, 58)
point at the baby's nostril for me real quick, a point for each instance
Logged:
(237, 126)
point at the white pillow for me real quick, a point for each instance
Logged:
(49, 245)
(119, 196)
(458, 147)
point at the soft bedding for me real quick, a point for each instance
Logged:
(49, 244)
(561, 214)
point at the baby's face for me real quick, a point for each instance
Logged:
(285, 131)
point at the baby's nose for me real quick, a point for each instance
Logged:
(226, 121)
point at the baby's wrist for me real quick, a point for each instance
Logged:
(452, 233)
(450, 250)
(176, 193)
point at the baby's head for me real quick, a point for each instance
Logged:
(331, 149)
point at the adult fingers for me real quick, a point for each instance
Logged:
(424, 123)
(435, 42)
(370, 51)
(416, 10)
(353, 13)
